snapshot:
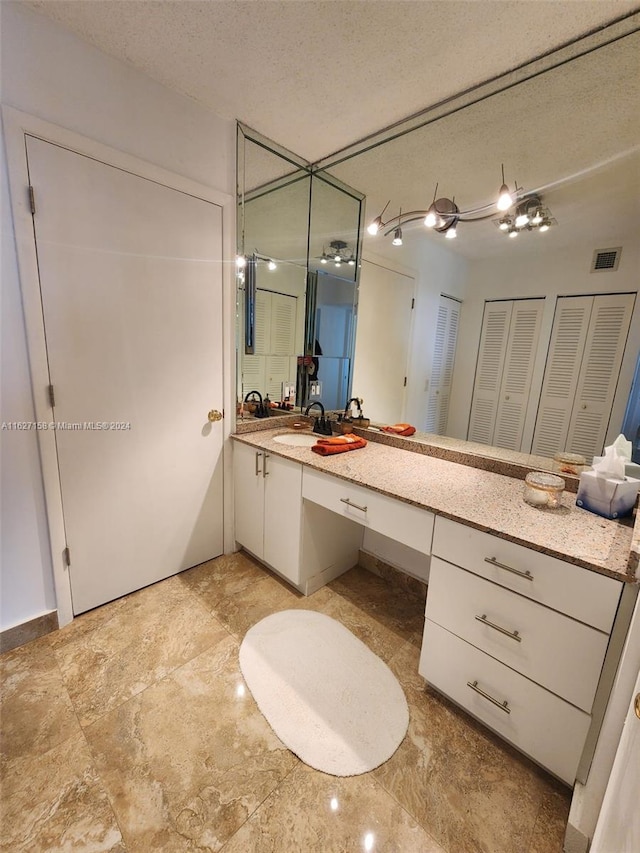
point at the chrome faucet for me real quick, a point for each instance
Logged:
(321, 425)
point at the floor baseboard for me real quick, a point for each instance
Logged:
(11, 638)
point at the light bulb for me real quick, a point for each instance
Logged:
(397, 237)
(544, 226)
(272, 265)
(505, 200)
(240, 261)
(451, 233)
(374, 227)
(351, 262)
(323, 260)
(338, 263)
(537, 219)
(513, 233)
(504, 224)
(522, 220)
(431, 219)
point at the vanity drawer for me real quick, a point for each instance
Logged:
(557, 652)
(541, 725)
(578, 592)
(390, 517)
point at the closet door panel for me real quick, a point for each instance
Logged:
(491, 356)
(568, 337)
(283, 324)
(524, 332)
(444, 353)
(606, 339)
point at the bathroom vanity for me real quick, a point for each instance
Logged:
(526, 611)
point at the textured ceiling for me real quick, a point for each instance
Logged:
(316, 75)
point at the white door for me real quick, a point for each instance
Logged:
(488, 379)
(587, 344)
(444, 353)
(618, 827)
(385, 300)
(130, 277)
(522, 346)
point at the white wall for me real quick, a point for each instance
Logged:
(48, 72)
(549, 274)
(440, 271)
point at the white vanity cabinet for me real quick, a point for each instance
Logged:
(518, 639)
(268, 508)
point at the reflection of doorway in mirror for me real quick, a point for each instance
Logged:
(334, 329)
(444, 353)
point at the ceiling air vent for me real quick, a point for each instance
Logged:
(606, 260)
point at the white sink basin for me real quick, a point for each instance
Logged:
(296, 439)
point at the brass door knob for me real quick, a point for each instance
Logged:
(214, 415)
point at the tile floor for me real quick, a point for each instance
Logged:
(130, 730)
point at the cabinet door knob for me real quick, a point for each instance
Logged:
(214, 415)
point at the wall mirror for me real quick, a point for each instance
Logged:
(298, 236)
(567, 129)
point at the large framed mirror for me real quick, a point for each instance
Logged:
(528, 342)
(298, 250)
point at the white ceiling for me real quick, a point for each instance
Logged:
(316, 75)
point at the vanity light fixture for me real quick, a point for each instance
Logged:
(339, 253)
(397, 236)
(431, 219)
(272, 265)
(443, 215)
(505, 199)
(377, 223)
(530, 215)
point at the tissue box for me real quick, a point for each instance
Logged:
(607, 496)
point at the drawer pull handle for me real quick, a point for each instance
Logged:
(513, 634)
(355, 506)
(264, 465)
(492, 561)
(504, 706)
(258, 455)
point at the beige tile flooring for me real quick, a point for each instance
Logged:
(129, 730)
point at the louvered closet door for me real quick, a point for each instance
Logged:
(283, 325)
(585, 354)
(491, 355)
(524, 331)
(606, 339)
(263, 322)
(568, 337)
(442, 367)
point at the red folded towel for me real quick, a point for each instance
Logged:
(339, 444)
(400, 429)
(348, 438)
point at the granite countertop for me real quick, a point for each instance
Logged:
(483, 499)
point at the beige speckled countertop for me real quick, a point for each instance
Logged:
(483, 499)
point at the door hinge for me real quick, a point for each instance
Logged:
(52, 399)
(67, 557)
(405, 381)
(32, 199)
(413, 302)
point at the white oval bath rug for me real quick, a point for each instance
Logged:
(329, 699)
